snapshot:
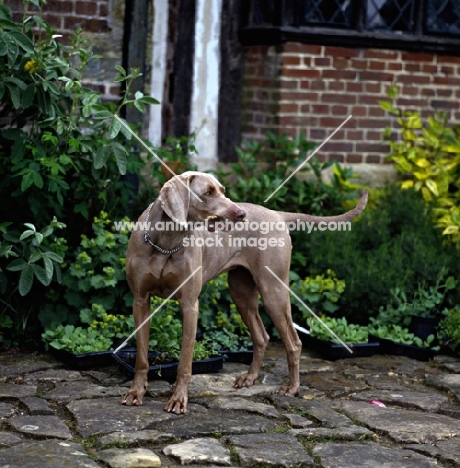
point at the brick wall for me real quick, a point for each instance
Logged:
(102, 21)
(297, 88)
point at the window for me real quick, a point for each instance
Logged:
(428, 24)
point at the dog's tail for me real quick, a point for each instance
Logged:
(348, 216)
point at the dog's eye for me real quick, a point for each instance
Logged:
(208, 193)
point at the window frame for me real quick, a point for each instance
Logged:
(286, 28)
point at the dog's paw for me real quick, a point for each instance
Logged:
(289, 390)
(245, 380)
(132, 399)
(177, 405)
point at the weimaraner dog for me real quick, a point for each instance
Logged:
(159, 260)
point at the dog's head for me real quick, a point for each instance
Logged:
(198, 197)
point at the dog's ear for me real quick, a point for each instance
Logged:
(175, 198)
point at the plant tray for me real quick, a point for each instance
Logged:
(83, 361)
(401, 349)
(167, 371)
(333, 351)
(243, 357)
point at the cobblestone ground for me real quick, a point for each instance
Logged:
(53, 416)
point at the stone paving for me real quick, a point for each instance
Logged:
(53, 416)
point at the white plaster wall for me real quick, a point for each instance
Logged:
(205, 95)
(158, 72)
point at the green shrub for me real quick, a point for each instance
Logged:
(63, 154)
(428, 155)
(449, 329)
(321, 292)
(95, 274)
(392, 245)
(423, 302)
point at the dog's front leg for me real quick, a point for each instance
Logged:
(178, 401)
(135, 395)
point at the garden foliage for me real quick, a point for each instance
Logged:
(63, 155)
(428, 155)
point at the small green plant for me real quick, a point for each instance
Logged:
(425, 302)
(399, 334)
(449, 329)
(225, 340)
(321, 292)
(347, 332)
(95, 274)
(76, 340)
(428, 154)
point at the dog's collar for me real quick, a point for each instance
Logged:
(148, 240)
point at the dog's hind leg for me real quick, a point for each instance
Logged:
(245, 295)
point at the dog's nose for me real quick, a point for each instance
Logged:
(240, 214)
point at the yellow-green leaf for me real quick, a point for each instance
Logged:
(432, 186)
(421, 175)
(422, 162)
(407, 184)
(451, 230)
(426, 194)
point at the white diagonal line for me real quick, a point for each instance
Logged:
(154, 312)
(308, 308)
(154, 154)
(309, 157)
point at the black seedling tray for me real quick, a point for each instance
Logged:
(401, 349)
(167, 371)
(84, 361)
(334, 351)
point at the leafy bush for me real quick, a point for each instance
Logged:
(392, 245)
(63, 152)
(322, 292)
(95, 274)
(449, 329)
(428, 154)
(424, 302)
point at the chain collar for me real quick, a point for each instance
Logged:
(147, 238)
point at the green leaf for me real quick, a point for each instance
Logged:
(26, 280)
(103, 114)
(40, 274)
(121, 157)
(432, 186)
(26, 234)
(100, 158)
(115, 127)
(49, 268)
(24, 42)
(15, 95)
(17, 265)
(54, 257)
(149, 100)
(139, 106)
(28, 96)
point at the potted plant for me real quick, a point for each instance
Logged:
(422, 312)
(88, 346)
(164, 347)
(355, 336)
(396, 339)
(234, 347)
